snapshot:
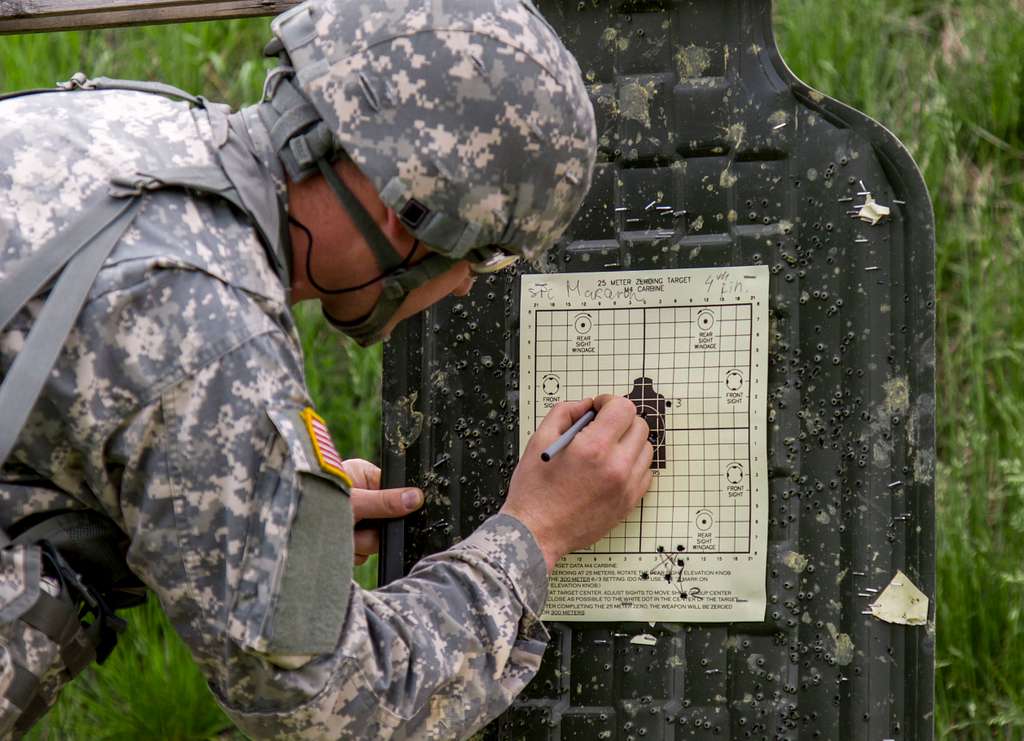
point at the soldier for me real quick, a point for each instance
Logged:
(150, 250)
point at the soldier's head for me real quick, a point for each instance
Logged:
(456, 135)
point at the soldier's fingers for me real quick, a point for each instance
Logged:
(367, 542)
(635, 437)
(642, 464)
(645, 484)
(385, 503)
(615, 416)
(363, 473)
(601, 399)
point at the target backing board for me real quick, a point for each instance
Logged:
(689, 348)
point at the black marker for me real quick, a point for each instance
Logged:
(568, 435)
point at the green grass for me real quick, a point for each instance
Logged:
(947, 77)
(149, 688)
(221, 60)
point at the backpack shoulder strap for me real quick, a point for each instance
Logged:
(79, 81)
(77, 253)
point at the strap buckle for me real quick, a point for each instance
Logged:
(78, 81)
(274, 77)
(130, 187)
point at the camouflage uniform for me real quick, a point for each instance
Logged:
(174, 410)
(178, 407)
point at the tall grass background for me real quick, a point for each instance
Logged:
(948, 78)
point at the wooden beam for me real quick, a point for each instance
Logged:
(28, 16)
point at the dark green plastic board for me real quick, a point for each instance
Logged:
(684, 92)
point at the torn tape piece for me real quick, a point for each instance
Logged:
(901, 602)
(644, 639)
(872, 212)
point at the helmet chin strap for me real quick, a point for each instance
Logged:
(397, 282)
(305, 145)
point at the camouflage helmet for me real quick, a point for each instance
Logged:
(471, 118)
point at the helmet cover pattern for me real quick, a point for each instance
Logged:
(471, 118)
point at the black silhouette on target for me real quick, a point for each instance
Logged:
(651, 406)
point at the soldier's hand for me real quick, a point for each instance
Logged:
(369, 501)
(589, 487)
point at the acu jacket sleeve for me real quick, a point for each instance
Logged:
(240, 540)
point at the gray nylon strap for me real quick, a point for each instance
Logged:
(36, 710)
(208, 179)
(23, 686)
(81, 82)
(295, 113)
(395, 289)
(258, 196)
(286, 97)
(295, 28)
(381, 246)
(368, 330)
(56, 618)
(298, 134)
(142, 86)
(291, 123)
(28, 277)
(304, 150)
(32, 365)
(431, 267)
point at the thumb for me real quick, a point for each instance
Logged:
(385, 503)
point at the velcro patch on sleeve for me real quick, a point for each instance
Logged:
(296, 568)
(320, 437)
